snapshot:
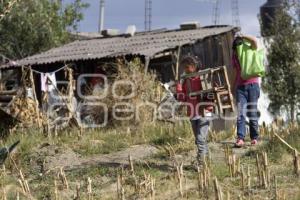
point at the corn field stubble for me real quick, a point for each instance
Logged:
(263, 172)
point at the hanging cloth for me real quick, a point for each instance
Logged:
(48, 82)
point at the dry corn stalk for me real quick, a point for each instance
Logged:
(276, 188)
(77, 191)
(232, 161)
(243, 178)
(266, 178)
(120, 185)
(203, 178)
(228, 196)
(18, 196)
(8, 9)
(153, 189)
(131, 164)
(89, 188)
(263, 171)
(180, 177)
(63, 178)
(218, 192)
(24, 183)
(249, 179)
(3, 194)
(55, 190)
(200, 181)
(259, 171)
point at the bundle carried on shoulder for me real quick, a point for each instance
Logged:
(251, 61)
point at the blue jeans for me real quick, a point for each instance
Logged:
(247, 98)
(200, 129)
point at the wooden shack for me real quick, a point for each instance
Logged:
(160, 51)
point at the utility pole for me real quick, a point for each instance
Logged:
(298, 10)
(235, 13)
(101, 16)
(61, 6)
(148, 15)
(216, 12)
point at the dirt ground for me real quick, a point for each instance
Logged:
(148, 167)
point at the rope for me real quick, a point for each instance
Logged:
(38, 72)
(65, 66)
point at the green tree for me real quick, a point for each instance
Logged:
(32, 26)
(283, 79)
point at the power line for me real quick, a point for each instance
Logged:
(148, 15)
(235, 13)
(216, 12)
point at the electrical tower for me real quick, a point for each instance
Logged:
(148, 15)
(101, 16)
(234, 9)
(235, 13)
(216, 12)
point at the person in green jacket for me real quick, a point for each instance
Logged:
(247, 95)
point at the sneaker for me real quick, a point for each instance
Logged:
(197, 165)
(254, 142)
(239, 143)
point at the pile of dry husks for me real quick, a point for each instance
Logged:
(24, 110)
(132, 94)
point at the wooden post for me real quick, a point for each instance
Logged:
(70, 91)
(35, 98)
(177, 63)
(147, 62)
(296, 163)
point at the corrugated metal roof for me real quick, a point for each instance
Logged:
(145, 44)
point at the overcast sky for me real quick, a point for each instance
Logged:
(168, 14)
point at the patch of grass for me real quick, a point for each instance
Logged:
(170, 134)
(95, 171)
(220, 170)
(276, 149)
(100, 143)
(140, 170)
